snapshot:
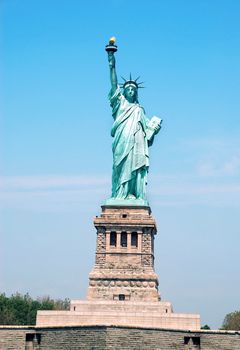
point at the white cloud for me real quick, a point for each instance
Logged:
(50, 182)
(51, 193)
(232, 167)
(57, 193)
(212, 144)
(219, 167)
(211, 157)
(195, 189)
(192, 189)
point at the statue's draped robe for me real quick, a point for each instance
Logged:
(130, 147)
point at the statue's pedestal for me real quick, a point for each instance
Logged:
(123, 286)
(121, 313)
(124, 264)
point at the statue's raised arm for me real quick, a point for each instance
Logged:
(111, 48)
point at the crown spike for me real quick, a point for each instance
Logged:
(131, 81)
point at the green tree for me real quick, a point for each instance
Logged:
(6, 314)
(206, 326)
(232, 321)
(22, 309)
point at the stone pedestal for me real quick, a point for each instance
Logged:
(124, 264)
(123, 286)
(119, 313)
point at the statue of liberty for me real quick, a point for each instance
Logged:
(132, 135)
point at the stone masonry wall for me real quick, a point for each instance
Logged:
(14, 338)
(116, 338)
(75, 338)
(148, 339)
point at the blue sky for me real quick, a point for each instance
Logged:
(56, 145)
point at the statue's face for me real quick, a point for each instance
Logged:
(130, 92)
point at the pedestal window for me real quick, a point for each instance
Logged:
(134, 239)
(124, 239)
(113, 239)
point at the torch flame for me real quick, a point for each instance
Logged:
(112, 40)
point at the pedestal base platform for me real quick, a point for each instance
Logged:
(119, 313)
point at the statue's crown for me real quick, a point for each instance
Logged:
(131, 82)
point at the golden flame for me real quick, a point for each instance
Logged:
(112, 40)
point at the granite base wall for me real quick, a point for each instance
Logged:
(117, 338)
(14, 338)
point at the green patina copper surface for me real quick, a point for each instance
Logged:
(132, 134)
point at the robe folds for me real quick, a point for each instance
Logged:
(129, 147)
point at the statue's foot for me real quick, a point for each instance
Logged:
(131, 196)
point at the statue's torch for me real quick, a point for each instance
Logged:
(111, 47)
